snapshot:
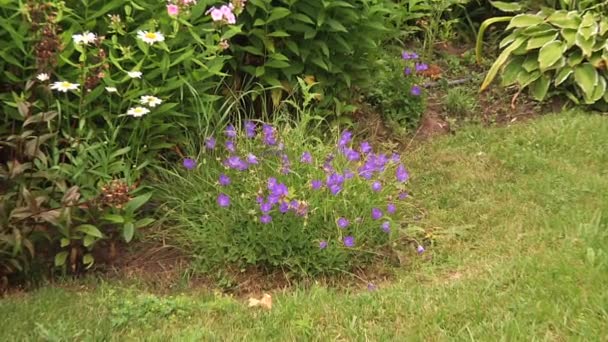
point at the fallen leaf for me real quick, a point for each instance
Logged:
(265, 302)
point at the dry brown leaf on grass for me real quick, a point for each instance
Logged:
(265, 302)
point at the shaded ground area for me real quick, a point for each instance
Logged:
(519, 221)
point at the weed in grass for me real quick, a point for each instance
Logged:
(460, 102)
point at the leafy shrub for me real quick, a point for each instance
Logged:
(271, 197)
(331, 42)
(397, 93)
(77, 79)
(564, 48)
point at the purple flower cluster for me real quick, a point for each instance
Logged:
(415, 90)
(347, 162)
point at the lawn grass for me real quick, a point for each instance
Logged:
(520, 222)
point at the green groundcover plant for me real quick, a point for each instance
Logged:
(266, 197)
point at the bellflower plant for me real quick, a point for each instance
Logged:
(272, 202)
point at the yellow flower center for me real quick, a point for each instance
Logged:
(151, 35)
(65, 84)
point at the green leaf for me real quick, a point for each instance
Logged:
(88, 259)
(525, 20)
(502, 58)
(89, 229)
(278, 13)
(563, 19)
(137, 202)
(575, 58)
(507, 6)
(511, 70)
(60, 258)
(526, 78)
(277, 64)
(144, 222)
(64, 242)
(586, 78)
(279, 33)
(335, 25)
(569, 36)
(128, 230)
(539, 88)
(562, 75)
(88, 240)
(114, 218)
(585, 44)
(539, 41)
(599, 90)
(530, 63)
(550, 53)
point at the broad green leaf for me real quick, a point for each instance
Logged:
(278, 13)
(502, 58)
(575, 58)
(60, 258)
(562, 75)
(64, 242)
(511, 70)
(525, 20)
(585, 44)
(114, 218)
(599, 91)
(550, 53)
(507, 6)
(128, 230)
(588, 31)
(531, 62)
(538, 30)
(526, 78)
(603, 26)
(89, 229)
(539, 41)
(563, 19)
(509, 39)
(569, 36)
(137, 202)
(586, 78)
(539, 88)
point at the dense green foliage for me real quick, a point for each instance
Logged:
(331, 42)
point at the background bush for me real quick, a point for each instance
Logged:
(331, 42)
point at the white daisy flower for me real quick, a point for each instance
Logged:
(111, 89)
(134, 74)
(86, 38)
(138, 111)
(150, 37)
(64, 86)
(150, 101)
(43, 77)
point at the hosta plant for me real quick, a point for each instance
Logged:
(560, 51)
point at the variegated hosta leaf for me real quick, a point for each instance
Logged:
(586, 78)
